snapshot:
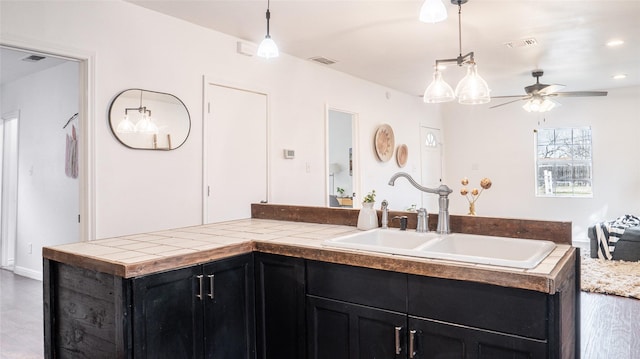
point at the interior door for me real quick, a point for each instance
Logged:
(235, 152)
(431, 155)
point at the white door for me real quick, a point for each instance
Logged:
(431, 154)
(235, 152)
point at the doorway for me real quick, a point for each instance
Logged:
(41, 188)
(341, 153)
(9, 188)
(431, 167)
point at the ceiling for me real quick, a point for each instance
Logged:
(382, 41)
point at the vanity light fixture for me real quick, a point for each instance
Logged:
(268, 47)
(433, 11)
(471, 90)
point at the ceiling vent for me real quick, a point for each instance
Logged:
(33, 58)
(522, 43)
(323, 60)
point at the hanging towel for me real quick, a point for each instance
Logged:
(71, 154)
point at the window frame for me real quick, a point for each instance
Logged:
(572, 161)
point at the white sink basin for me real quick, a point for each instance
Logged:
(500, 251)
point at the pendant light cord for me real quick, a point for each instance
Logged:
(268, 17)
(460, 26)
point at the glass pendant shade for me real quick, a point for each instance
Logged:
(438, 90)
(126, 126)
(472, 89)
(268, 48)
(146, 126)
(433, 11)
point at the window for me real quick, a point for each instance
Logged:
(563, 162)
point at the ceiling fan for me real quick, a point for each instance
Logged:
(539, 96)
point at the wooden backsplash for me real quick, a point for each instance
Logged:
(558, 232)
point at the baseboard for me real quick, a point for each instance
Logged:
(29, 273)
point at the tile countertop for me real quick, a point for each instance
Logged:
(141, 254)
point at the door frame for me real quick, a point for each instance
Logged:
(8, 207)
(86, 121)
(211, 80)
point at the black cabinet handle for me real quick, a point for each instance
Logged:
(199, 287)
(398, 345)
(412, 339)
(211, 278)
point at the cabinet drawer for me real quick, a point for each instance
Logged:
(507, 310)
(372, 287)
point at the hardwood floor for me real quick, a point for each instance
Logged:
(21, 330)
(610, 327)
(610, 324)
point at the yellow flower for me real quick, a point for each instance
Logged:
(474, 192)
(485, 183)
(464, 191)
(465, 181)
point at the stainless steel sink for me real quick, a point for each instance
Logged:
(500, 251)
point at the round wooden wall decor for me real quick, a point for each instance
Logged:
(401, 155)
(384, 142)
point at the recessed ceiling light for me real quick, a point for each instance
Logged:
(616, 42)
(619, 76)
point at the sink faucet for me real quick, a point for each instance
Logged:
(443, 201)
(385, 214)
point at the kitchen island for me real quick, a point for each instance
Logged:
(269, 288)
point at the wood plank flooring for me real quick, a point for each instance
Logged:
(610, 325)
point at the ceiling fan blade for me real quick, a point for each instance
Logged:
(522, 97)
(581, 93)
(506, 103)
(549, 89)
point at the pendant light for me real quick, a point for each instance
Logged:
(438, 91)
(433, 11)
(126, 126)
(144, 125)
(268, 47)
(472, 89)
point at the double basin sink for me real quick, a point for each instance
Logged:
(470, 248)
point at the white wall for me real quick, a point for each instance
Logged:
(499, 143)
(47, 198)
(139, 191)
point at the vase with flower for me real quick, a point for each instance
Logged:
(473, 196)
(368, 217)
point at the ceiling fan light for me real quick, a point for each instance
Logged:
(472, 89)
(433, 11)
(540, 105)
(438, 90)
(268, 48)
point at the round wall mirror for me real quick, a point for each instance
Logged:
(149, 120)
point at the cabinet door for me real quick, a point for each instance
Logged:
(435, 339)
(229, 330)
(280, 315)
(339, 330)
(167, 320)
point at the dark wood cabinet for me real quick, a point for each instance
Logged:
(434, 339)
(280, 307)
(358, 313)
(338, 329)
(204, 311)
(268, 306)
